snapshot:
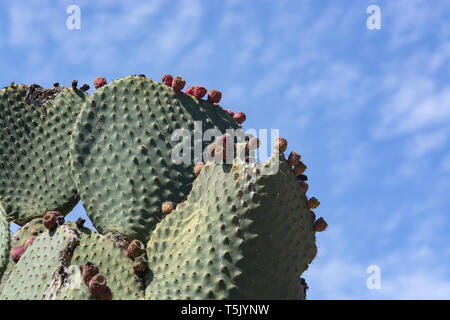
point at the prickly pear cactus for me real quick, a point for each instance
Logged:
(35, 130)
(122, 152)
(4, 240)
(240, 234)
(167, 230)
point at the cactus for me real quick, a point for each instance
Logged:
(35, 130)
(122, 145)
(228, 239)
(197, 230)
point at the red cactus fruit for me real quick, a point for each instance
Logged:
(50, 221)
(320, 225)
(178, 84)
(135, 249)
(139, 265)
(281, 144)
(293, 158)
(99, 82)
(167, 207)
(190, 90)
(299, 168)
(313, 203)
(54, 213)
(97, 286)
(198, 168)
(240, 117)
(199, 92)
(16, 253)
(214, 96)
(167, 79)
(89, 270)
(304, 186)
(29, 241)
(230, 112)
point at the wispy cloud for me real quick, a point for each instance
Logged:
(426, 142)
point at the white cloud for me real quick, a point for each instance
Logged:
(416, 104)
(423, 284)
(408, 21)
(423, 143)
(411, 271)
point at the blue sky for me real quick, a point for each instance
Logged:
(368, 110)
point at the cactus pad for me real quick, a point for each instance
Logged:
(121, 152)
(39, 266)
(35, 129)
(239, 235)
(32, 229)
(112, 263)
(51, 267)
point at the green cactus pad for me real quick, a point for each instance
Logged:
(33, 276)
(240, 234)
(112, 263)
(32, 229)
(50, 268)
(7, 271)
(35, 129)
(121, 152)
(4, 240)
